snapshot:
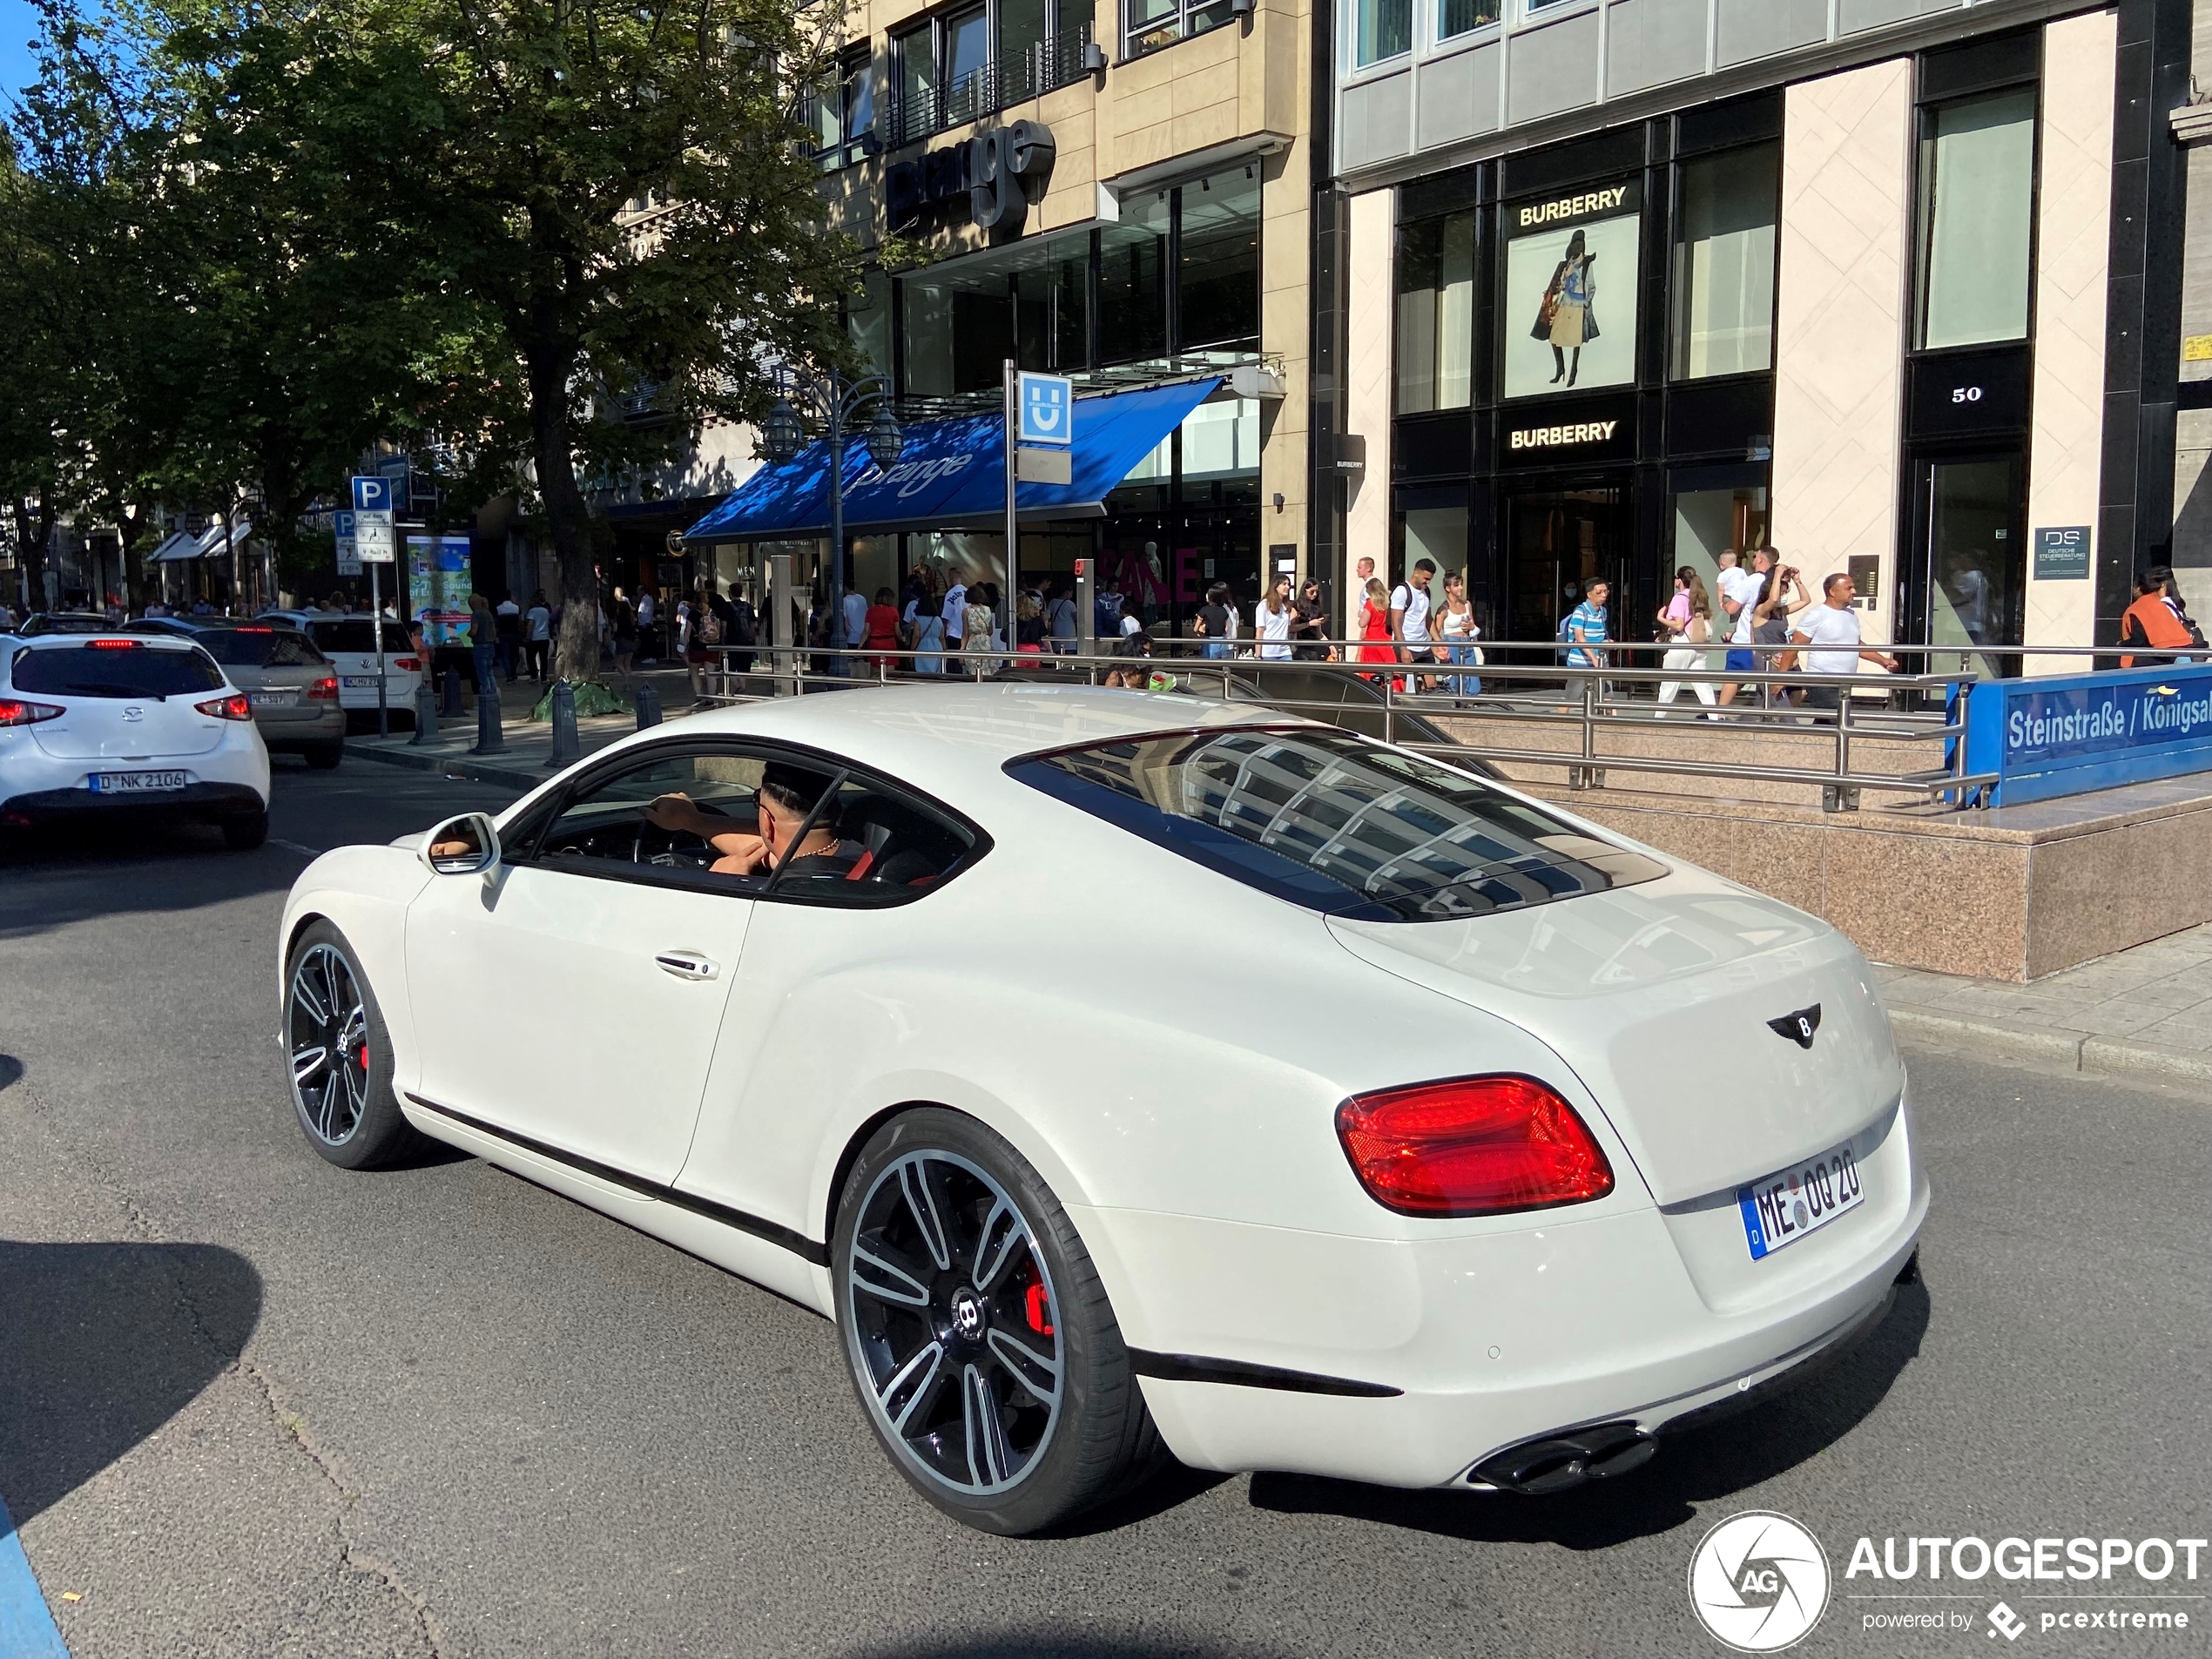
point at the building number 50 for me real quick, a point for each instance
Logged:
(1966, 394)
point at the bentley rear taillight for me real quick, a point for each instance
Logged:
(1472, 1146)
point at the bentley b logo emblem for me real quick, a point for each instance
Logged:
(1799, 1027)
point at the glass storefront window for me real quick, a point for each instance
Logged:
(1724, 263)
(1570, 262)
(1132, 281)
(1217, 262)
(1977, 563)
(958, 326)
(1436, 314)
(1708, 521)
(1438, 534)
(1382, 28)
(1457, 16)
(1220, 443)
(1976, 219)
(1052, 296)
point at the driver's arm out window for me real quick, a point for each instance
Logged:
(605, 831)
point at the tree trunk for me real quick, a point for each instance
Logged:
(32, 531)
(576, 653)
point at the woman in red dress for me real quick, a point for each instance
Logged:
(1374, 624)
(880, 629)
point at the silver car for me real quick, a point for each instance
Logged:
(293, 686)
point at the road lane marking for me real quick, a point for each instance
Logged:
(26, 1628)
(295, 847)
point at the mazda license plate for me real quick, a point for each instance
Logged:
(138, 783)
(1785, 1206)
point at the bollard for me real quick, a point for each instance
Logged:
(566, 750)
(648, 705)
(426, 713)
(491, 737)
(452, 709)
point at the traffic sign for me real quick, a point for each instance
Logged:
(1047, 404)
(373, 537)
(349, 558)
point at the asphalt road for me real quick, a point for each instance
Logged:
(251, 1405)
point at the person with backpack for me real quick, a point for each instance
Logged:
(1409, 620)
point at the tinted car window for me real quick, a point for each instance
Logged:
(258, 647)
(1332, 823)
(352, 633)
(119, 670)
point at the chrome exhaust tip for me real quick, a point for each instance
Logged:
(1554, 1462)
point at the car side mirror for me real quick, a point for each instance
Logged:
(467, 845)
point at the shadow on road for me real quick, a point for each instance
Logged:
(1047, 1643)
(1699, 1467)
(50, 877)
(104, 1343)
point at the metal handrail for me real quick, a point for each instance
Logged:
(1578, 697)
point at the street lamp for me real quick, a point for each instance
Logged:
(839, 403)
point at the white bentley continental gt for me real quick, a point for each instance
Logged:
(1132, 1076)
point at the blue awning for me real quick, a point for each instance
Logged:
(953, 472)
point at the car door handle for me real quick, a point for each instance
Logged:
(687, 964)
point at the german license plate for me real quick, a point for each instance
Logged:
(361, 682)
(1785, 1206)
(272, 699)
(138, 783)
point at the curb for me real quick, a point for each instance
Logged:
(2104, 1056)
(452, 763)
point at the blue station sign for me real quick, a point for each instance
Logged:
(2065, 736)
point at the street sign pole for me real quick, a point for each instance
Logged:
(1007, 602)
(376, 622)
(374, 543)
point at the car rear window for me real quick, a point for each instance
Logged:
(260, 647)
(1336, 824)
(352, 633)
(118, 670)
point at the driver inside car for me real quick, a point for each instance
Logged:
(787, 797)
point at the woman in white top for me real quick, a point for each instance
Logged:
(1457, 629)
(1271, 622)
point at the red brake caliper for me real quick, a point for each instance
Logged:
(1038, 1309)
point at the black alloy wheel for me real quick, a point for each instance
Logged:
(339, 1055)
(979, 1339)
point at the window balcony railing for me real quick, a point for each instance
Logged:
(1059, 60)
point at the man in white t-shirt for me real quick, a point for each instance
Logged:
(853, 610)
(1830, 628)
(1739, 592)
(1409, 615)
(954, 612)
(1363, 572)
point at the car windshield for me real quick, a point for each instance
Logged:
(116, 668)
(1336, 824)
(258, 647)
(352, 633)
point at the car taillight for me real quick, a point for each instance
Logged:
(408, 664)
(236, 706)
(115, 645)
(13, 712)
(1472, 1146)
(325, 687)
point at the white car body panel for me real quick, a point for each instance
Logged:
(400, 684)
(1167, 1048)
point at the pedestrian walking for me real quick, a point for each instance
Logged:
(978, 617)
(1060, 610)
(2156, 619)
(1271, 622)
(1217, 624)
(1310, 624)
(1409, 619)
(1457, 629)
(1830, 630)
(952, 610)
(648, 629)
(483, 644)
(929, 635)
(538, 634)
(1686, 623)
(1738, 587)
(880, 631)
(1782, 594)
(622, 625)
(1374, 624)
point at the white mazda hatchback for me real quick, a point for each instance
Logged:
(1129, 1076)
(114, 725)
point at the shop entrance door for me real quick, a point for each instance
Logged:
(1969, 583)
(1559, 541)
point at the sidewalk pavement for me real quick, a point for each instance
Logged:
(526, 760)
(2144, 1012)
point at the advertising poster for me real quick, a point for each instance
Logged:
(437, 587)
(1570, 290)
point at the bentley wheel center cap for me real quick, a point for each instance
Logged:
(968, 1316)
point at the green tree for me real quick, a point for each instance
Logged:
(619, 193)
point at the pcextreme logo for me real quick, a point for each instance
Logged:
(1759, 1581)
